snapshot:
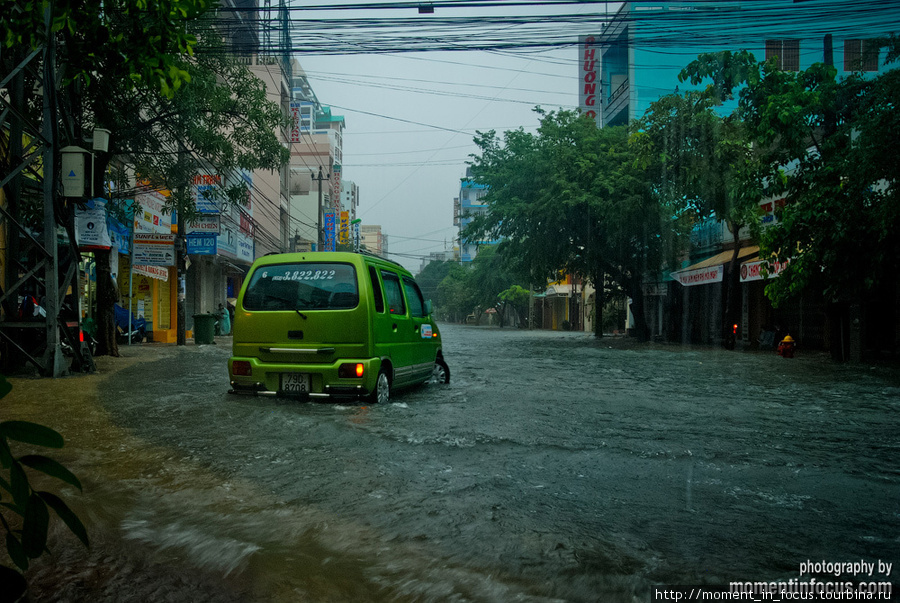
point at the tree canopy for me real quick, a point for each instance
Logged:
(574, 198)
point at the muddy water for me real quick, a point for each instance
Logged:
(552, 468)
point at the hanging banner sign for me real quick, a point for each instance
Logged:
(344, 232)
(329, 229)
(588, 82)
(700, 276)
(91, 230)
(751, 271)
(295, 121)
(336, 186)
(208, 224)
(201, 244)
(160, 273)
(152, 249)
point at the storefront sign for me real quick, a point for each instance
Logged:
(204, 190)
(160, 273)
(751, 271)
(700, 276)
(589, 86)
(208, 224)
(227, 241)
(201, 244)
(152, 249)
(152, 216)
(295, 121)
(329, 229)
(336, 186)
(244, 248)
(246, 224)
(344, 232)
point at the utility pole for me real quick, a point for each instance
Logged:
(321, 232)
(54, 361)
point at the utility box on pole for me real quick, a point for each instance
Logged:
(75, 180)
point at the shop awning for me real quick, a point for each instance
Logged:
(711, 269)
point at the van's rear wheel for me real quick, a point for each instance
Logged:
(382, 393)
(440, 373)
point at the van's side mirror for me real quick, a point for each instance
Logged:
(428, 307)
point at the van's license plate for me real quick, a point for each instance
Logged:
(294, 383)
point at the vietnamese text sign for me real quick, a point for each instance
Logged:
(700, 276)
(90, 226)
(589, 87)
(201, 244)
(160, 273)
(204, 189)
(207, 224)
(244, 248)
(329, 229)
(751, 271)
(152, 249)
(344, 232)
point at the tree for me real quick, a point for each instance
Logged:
(702, 166)
(572, 198)
(826, 146)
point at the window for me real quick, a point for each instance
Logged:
(787, 53)
(414, 297)
(376, 290)
(393, 293)
(320, 286)
(861, 55)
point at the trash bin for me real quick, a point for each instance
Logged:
(204, 328)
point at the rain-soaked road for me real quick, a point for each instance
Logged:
(552, 468)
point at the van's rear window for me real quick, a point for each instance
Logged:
(318, 286)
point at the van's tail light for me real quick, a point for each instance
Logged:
(351, 371)
(240, 367)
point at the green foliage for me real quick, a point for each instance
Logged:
(139, 40)
(25, 513)
(826, 145)
(573, 198)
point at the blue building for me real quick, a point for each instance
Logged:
(644, 48)
(469, 205)
(647, 44)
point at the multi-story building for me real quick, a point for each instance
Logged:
(220, 257)
(466, 207)
(643, 50)
(372, 239)
(316, 141)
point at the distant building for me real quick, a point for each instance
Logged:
(646, 45)
(437, 256)
(466, 207)
(372, 239)
(316, 141)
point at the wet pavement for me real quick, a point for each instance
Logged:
(554, 467)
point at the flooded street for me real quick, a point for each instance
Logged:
(553, 467)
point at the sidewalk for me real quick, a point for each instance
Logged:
(118, 472)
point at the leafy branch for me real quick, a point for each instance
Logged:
(24, 511)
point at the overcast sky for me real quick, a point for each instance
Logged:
(411, 118)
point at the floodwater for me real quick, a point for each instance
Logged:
(553, 467)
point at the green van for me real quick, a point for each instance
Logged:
(332, 325)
